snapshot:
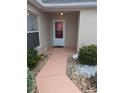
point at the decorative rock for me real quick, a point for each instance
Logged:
(79, 79)
(39, 66)
(75, 56)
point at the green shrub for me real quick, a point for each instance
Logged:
(30, 81)
(88, 55)
(42, 56)
(32, 58)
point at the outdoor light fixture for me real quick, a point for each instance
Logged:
(61, 13)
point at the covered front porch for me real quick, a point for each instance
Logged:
(79, 26)
(51, 22)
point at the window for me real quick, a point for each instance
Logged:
(59, 29)
(32, 31)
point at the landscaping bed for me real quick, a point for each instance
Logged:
(35, 63)
(87, 83)
(35, 72)
(39, 66)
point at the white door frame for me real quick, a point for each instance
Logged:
(54, 31)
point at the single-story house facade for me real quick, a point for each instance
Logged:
(68, 23)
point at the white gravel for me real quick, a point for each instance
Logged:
(86, 70)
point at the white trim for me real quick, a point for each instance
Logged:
(54, 30)
(61, 6)
(66, 4)
(32, 31)
(33, 13)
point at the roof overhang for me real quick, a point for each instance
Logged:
(62, 6)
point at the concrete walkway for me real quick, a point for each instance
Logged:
(52, 78)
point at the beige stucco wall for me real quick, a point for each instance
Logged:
(43, 24)
(70, 27)
(87, 27)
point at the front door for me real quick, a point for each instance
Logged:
(58, 32)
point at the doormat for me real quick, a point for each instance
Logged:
(58, 46)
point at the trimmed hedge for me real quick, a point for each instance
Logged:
(32, 58)
(88, 55)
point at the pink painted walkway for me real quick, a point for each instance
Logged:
(52, 78)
